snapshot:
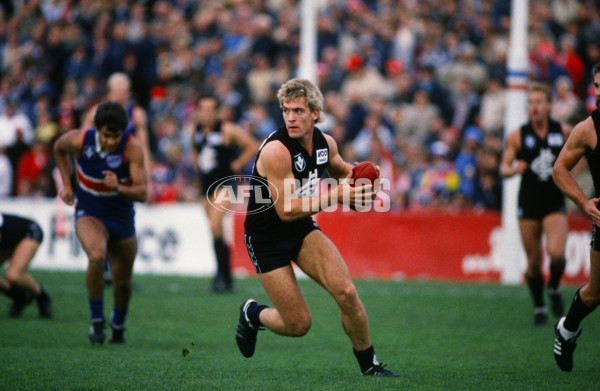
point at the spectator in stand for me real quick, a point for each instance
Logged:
(416, 117)
(566, 107)
(545, 66)
(372, 131)
(572, 61)
(466, 166)
(6, 174)
(465, 65)
(465, 103)
(492, 110)
(439, 181)
(31, 168)
(14, 124)
(362, 79)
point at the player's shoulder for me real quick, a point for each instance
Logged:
(584, 131)
(274, 150)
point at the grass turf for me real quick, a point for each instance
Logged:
(439, 336)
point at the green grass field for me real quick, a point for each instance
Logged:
(439, 336)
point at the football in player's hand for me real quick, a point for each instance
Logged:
(364, 170)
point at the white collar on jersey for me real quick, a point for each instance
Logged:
(99, 150)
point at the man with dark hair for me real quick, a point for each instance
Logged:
(111, 176)
(294, 157)
(20, 239)
(531, 151)
(582, 142)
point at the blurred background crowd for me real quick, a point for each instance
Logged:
(416, 86)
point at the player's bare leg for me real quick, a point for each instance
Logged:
(93, 237)
(122, 254)
(289, 315)
(16, 275)
(531, 234)
(16, 271)
(222, 281)
(320, 260)
(556, 228)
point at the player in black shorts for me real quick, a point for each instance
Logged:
(584, 141)
(20, 239)
(221, 149)
(279, 228)
(531, 151)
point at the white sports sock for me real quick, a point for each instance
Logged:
(566, 334)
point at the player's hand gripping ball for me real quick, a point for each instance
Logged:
(364, 173)
(364, 170)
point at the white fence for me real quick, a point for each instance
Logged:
(172, 238)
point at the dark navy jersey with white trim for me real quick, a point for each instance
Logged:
(308, 168)
(593, 158)
(540, 155)
(214, 157)
(92, 194)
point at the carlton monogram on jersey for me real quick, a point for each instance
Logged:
(540, 153)
(542, 165)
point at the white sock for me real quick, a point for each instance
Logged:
(566, 334)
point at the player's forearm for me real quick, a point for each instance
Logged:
(298, 208)
(62, 163)
(507, 171)
(136, 193)
(567, 184)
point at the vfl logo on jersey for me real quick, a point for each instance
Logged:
(113, 161)
(299, 162)
(215, 138)
(555, 139)
(88, 152)
(322, 156)
(529, 141)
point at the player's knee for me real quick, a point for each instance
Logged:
(347, 296)
(593, 301)
(121, 283)
(557, 255)
(97, 257)
(534, 269)
(300, 327)
(12, 276)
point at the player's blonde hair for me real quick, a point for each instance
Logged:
(302, 88)
(536, 86)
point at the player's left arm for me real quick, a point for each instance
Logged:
(138, 190)
(236, 136)
(581, 165)
(140, 123)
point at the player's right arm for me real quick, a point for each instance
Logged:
(508, 167)
(68, 143)
(581, 141)
(275, 164)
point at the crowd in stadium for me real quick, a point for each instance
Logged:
(414, 86)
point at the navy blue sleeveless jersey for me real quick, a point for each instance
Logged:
(593, 158)
(537, 184)
(214, 157)
(93, 195)
(307, 167)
